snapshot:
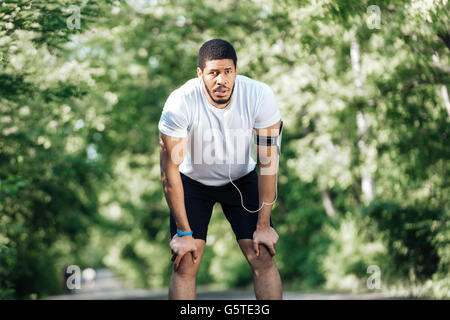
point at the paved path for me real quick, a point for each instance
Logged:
(106, 287)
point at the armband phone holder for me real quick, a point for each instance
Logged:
(270, 141)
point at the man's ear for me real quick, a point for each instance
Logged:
(199, 72)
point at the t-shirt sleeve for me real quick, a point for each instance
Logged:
(174, 119)
(267, 113)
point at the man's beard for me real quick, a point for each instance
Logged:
(218, 101)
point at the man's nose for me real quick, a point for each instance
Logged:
(221, 79)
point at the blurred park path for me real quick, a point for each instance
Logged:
(108, 287)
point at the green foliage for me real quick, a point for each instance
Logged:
(407, 244)
(47, 185)
(352, 250)
(409, 235)
(299, 220)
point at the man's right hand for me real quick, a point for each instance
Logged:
(180, 246)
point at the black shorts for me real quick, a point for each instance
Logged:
(199, 200)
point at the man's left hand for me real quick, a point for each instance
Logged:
(266, 236)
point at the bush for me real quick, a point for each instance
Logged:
(351, 252)
(410, 238)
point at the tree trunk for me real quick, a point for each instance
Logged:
(367, 184)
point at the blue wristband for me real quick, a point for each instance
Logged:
(181, 233)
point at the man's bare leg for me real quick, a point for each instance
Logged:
(266, 278)
(183, 281)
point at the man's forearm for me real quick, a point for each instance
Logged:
(267, 192)
(174, 194)
(267, 183)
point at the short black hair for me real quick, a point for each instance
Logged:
(215, 49)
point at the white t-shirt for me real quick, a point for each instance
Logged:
(218, 139)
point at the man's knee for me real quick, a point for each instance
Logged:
(187, 268)
(261, 263)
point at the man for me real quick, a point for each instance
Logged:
(203, 126)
